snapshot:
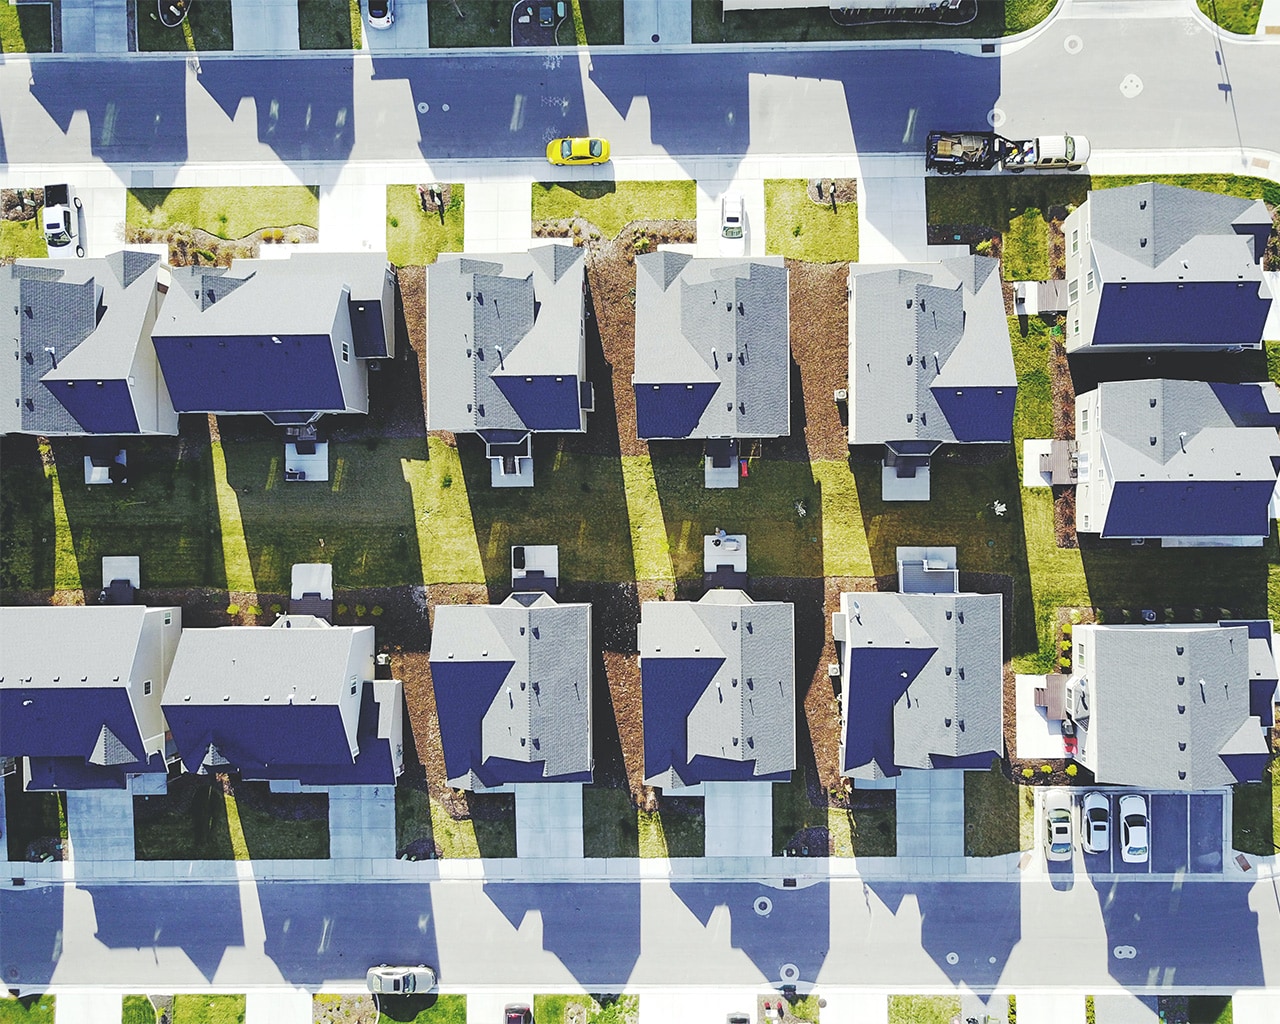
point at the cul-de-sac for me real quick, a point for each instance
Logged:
(640, 511)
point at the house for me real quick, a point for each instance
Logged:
(1154, 267)
(1189, 463)
(717, 679)
(82, 361)
(507, 351)
(513, 691)
(296, 701)
(291, 339)
(930, 363)
(713, 353)
(921, 682)
(1182, 707)
(81, 689)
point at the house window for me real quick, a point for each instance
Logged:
(346, 352)
(1075, 241)
(1075, 326)
(353, 686)
(1086, 522)
(1084, 421)
(1073, 291)
(146, 688)
(168, 618)
(1088, 282)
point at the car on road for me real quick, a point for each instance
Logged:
(1096, 825)
(732, 224)
(1135, 829)
(382, 13)
(568, 152)
(1057, 825)
(517, 1013)
(400, 981)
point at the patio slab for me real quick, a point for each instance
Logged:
(1034, 736)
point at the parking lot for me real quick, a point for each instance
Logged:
(1185, 836)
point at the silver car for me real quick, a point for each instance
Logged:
(732, 224)
(1096, 824)
(400, 981)
(1057, 825)
(1135, 829)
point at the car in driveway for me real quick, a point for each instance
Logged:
(400, 981)
(382, 13)
(733, 218)
(1096, 823)
(517, 1013)
(1135, 829)
(1057, 825)
(572, 151)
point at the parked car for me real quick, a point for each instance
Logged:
(1096, 826)
(1135, 829)
(732, 223)
(518, 1013)
(382, 13)
(400, 981)
(1057, 825)
(567, 152)
(60, 218)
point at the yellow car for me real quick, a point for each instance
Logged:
(567, 152)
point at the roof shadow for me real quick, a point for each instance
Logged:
(33, 948)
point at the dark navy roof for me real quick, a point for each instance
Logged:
(670, 687)
(258, 738)
(464, 691)
(72, 773)
(50, 722)
(1189, 508)
(878, 677)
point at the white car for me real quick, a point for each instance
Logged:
(1057, 825)
(382, 13)
(1135, 829)
(1096, 825)
(733, 220)
(400, 981)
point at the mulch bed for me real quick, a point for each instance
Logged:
(820, 355)
(190, 246)
(1064, 428)
(821, 190)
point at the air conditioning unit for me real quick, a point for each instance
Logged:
(842, 395)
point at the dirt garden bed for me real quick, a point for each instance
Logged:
(191, 247)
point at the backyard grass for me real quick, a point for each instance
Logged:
(589, 1007)
(610, 827)
(21, 238)
(32, 817)
(231, 211)
(1255, 814)
(206, 27)
(429, 1009)
(1233, 15)
(672, 833)
(329, 24)
(612, 205)
(995, 18)
(207, 1009)
(416, 237)
(1025, 256)
(137, 1010)
(26, 28)
(923, 1009)
(991, 809)
(796, 226)
(31, 1010)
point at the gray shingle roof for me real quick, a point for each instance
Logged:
(507, 315)
(747, 710)
(1147, 728)
(917, 327)
(92, 312)
(68, 644)
(723, 322)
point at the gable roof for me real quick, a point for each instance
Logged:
(924, 682)
(1169, 706)
(713, 350)
(513, 691)
(718, 689)
(93, 314)
(1189, 458)
(929, 353)
(505, 340)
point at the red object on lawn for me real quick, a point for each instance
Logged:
(743, 464)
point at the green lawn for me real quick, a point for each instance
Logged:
(995, 18)
(490, 833)
(231, 211)
(21, 238)
(796, 226)
(1020, 15)
(1233, 15)
(137, 1010)
(329, 24)
(923, 1009)
(593, 1008)
(601, 21)
(990, 814)
(610, 827)
(671, 832)
(207, 27)
(612, 205)
(1255, 814)
(207, 1009)
(1209, 1009)
(488, 23)
(30, 817)
(1026, 248)
(30, 1010)
(26, 28)
(429, 1009)
(805, 1008)
(415, 237)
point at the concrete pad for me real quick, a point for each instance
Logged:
(549, 820)
(654, 22)
(353, 218)
(265, 25)
(1250, 1006)
(408, 32)
(857, 1005)
(904, 488)
(1123, 1008)
(697, 1003)
(739, 819)
(1034, 735)
(362, 822)
(486, 1007)
(89, 1006)
(100, 825)
(1271, 329)
(273, 1006)
(1032, 449)
(1050, 1008)
(497, 217)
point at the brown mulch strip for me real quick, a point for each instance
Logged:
(1057, 243)
(820, 359)
(821, 190)
(1064, 428)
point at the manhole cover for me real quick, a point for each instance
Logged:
(423, 107)
(1124, 952)
(1073, 44)
(1130, 86)
(444, 107)
(763, 905)
(789, 973)
(995, 117)
(953, 958)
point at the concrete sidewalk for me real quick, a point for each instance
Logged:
(95, 26)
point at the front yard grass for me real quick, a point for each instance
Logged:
(1234, 15)
(676, 830)
(416, 237)
(329, 24)
(490, 832)
(137, 1010)
(231, 211)
(923, 1009)
(26, 28)
(711, 24)
(21, 238)
(433, 1008)
(34, 817)
(610, 827)
(797, 227)
(991, 813)
(29, 1010)
(488, 22)
(1255, 814)
(208, 1009)
(206, 27)
(612, 205)
(590, 1007)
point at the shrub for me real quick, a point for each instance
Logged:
(360, 610)
(342, 609)
(1066, 627)
(795, 231)
(446, 480)
(1064, 646)
(1013, 1010)
(277, 609)
(1064, 663)
(376, 609)
(1027, 773)
(1072, 769)
(276, 234)
(233, 609)
(254, 610)
(1046, 769)
(394, 221)
(983, 248)
(1089, 1011)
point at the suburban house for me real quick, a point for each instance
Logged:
(293, 702)
(80, 692)
(1189, 463)
(1155, 267)
(513, 691)
(713, 353)
(930, 363)
(717, 679)
(291, 339)
(1181, 707)
(921, 676)
(507, 351)
(82, 361)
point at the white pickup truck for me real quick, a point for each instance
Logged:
(957, 152)
(61, 219)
